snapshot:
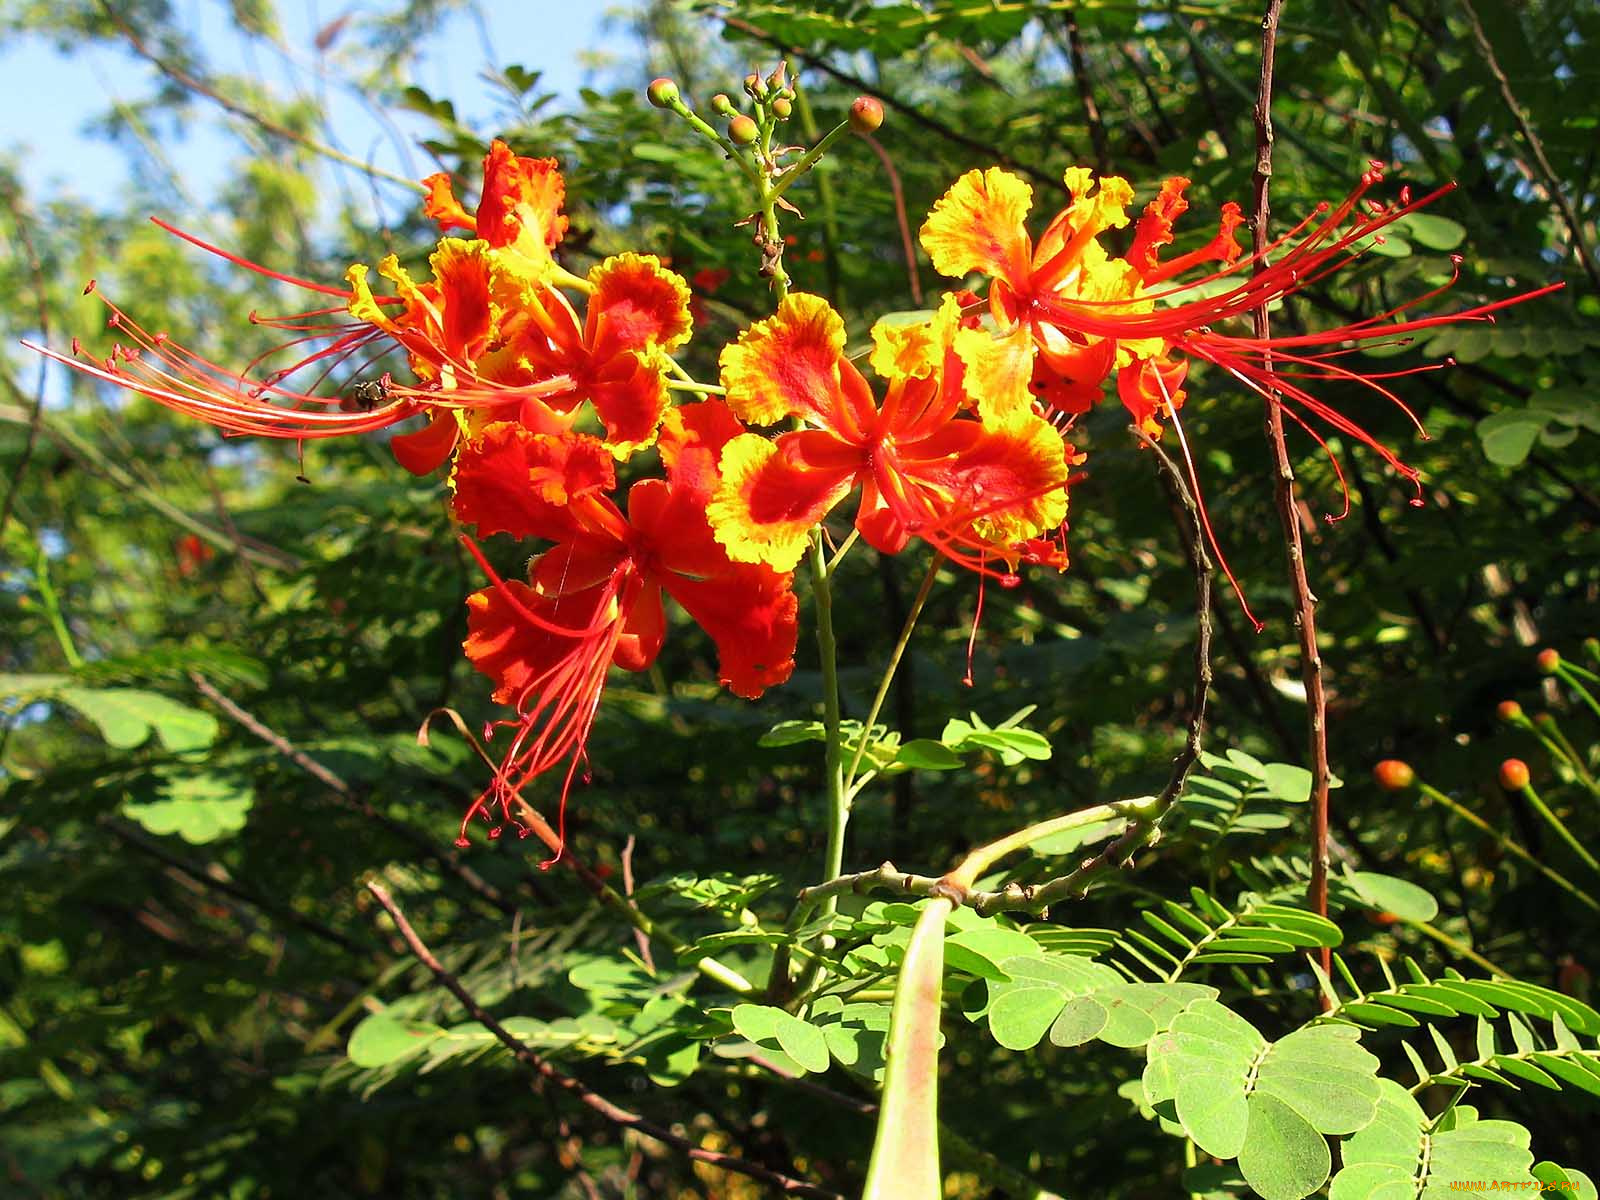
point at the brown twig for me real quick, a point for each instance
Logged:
(1085, 86)
(784, 1184)
(639, 936)
(898, 192)
(1552, 181)
(30, 254)
(201, 88)
(1283, 494)
(447, 859)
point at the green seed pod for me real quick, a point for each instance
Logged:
(722, 106)
(743, 131)
(782, 109)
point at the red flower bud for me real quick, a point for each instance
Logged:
(1547, 661)
(866, 114)
(663, 93)
(1509, 711)
(743, 131)
(1513, 774)
(1393, 775)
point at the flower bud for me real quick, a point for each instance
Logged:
(663, 93)
(1547, 661)
(1509, 711)
(743, 131)
(1393, 775)
(779, 76)
(866, 114)
(721, 105)
(754, 86)
(782, 109)
(1513, 774)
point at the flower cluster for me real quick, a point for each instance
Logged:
(960, 443)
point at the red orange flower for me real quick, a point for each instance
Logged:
(596, 597)
(968, 488)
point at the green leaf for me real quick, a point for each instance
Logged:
(925, 754)
(1565, 1181)
(1508, 436)
(1287, 782)
(800, 1040)
(198, 808)
(380, 1039)
(1388, 894)
(1284, 1157)
(125, 717)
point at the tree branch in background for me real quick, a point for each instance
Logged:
(1552, 182)
(784, 1184)
(1305, 618)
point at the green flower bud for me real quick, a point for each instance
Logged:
(743, 131)
(782, 109)
(722, 106)
(663, 93)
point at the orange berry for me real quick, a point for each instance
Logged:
(866, 114)
(1393, 775)
(1513, 774)
(1508, 710)
(1547, 661)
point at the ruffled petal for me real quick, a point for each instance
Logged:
(998, 373)
(442, 206)
(978, 226)
(521, 206)
(691, 442)
(462, 271)
(917, 348)
(637, 304)
(630, 402)
(787, 365)
(1015, 481)
(770, 499)
(511, 480)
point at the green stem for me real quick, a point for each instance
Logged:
(888, 674)
(1457, 947)
(1509, 846)
(1569, 675)
(790, 174)
(1561, 829)
(827, 649)
(52, 607)
(704, 389)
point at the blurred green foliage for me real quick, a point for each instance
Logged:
(195, 997)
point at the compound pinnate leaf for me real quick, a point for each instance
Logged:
(1381, 1161)
(1269, 1105)
(1023, 1006)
